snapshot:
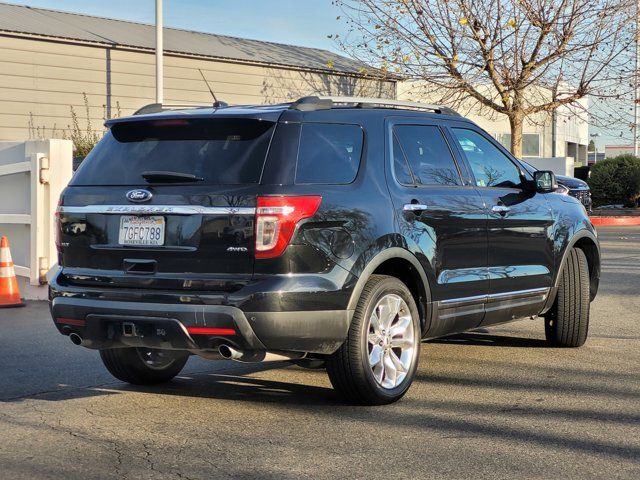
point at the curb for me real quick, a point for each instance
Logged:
(616, 221)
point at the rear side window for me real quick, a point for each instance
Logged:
(427, 154)
(220, 151)
(329, 153)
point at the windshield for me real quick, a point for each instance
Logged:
(218, 151)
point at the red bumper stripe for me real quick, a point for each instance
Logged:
(210, 331)
(78, 322)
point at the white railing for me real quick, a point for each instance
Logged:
(32, 176)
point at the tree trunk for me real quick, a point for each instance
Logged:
(516, 121)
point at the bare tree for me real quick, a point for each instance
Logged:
(518, 58)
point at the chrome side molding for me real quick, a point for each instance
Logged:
(495, 297)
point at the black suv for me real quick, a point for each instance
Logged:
(328, 231)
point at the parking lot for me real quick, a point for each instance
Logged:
(492, 404)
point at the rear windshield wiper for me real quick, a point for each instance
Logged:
(165, 176)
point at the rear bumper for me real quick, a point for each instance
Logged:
(106, 324)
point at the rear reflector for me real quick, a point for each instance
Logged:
(276, 220)
(77, 322)
(210, 331)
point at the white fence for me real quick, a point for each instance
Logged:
(32, 176)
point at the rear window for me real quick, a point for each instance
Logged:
(329, 153)
(221, 151)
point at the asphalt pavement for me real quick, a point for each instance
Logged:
(492, 404)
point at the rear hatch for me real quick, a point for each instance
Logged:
(166, 203)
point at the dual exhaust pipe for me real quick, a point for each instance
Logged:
(230, 353)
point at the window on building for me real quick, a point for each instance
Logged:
(530, 143)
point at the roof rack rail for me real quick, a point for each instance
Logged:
(161, 107)
(306, 104)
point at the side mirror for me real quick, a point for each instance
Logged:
(545, 181)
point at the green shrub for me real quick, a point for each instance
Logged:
(616, 180)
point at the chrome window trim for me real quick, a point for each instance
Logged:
(157, 209)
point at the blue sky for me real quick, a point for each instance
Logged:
(301, 22)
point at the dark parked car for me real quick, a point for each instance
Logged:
(568, 186)
(337, 232)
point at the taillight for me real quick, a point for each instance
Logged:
(58, 227)
(276, 220)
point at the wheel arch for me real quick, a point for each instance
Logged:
(588, 243)
(403, 265)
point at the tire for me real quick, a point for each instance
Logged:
(567, 323)
(143, 366)
(350, 369)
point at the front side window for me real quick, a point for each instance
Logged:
(329, 153)
(491, 167)
(427, 154)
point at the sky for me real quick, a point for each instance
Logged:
(302, 22)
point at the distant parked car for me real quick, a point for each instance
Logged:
(568, 186)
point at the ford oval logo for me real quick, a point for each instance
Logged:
(139, 196)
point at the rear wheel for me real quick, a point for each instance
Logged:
(143, 366)
(567, 323)
(378, 360)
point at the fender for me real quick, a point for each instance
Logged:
(584, 233)
(379, 259)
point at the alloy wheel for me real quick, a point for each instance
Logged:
(391, 341)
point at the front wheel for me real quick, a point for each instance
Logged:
(567, 323)
(143, 366)
(378, 360)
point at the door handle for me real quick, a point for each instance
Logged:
(414, 207)
(501, 209)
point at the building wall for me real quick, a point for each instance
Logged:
(611, 151)
(41, 80)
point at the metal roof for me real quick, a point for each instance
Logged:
(19, 19)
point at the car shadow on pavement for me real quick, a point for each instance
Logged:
(239, 387)
(224, 382)
(484, 339)
(456, 417)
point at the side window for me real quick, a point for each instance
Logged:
(491, 168)
(329, 153)
(428, 155)
(400, 167)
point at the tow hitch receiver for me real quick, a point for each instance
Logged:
(129, 329)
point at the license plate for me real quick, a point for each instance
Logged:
(146, 231)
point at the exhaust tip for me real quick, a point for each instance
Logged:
(229, 353)
(225, 351)
(75, 339)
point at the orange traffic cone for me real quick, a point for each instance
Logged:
(9, 292)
